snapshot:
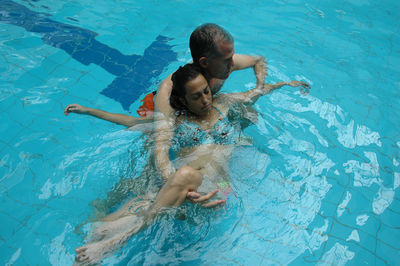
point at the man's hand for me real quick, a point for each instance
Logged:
(197, 198)
(260, 70)
(304, 87)
(75, 108)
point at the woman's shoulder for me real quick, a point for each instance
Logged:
(222, 103)
(221, 98)
(224, 100)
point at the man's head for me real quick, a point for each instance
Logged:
(212, 49)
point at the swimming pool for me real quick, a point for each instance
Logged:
(319, 185)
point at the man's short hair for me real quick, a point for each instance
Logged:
(204, 41)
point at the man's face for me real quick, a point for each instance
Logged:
(221, 66)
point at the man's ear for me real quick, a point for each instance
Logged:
(203, 61)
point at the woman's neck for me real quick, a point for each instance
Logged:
(203, 119)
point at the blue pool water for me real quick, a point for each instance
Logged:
(319, 185)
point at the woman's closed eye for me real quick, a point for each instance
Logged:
(198, 95)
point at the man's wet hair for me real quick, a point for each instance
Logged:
(204, 41)
(179, 79)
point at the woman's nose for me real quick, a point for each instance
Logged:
(204, 99)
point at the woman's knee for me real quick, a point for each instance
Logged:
(187, 175)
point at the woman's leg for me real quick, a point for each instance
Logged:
(113, 223)
(173, 193)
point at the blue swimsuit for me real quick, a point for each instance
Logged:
(189, 134)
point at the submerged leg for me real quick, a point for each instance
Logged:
(114, 222)
(131, 207)
(173, 193)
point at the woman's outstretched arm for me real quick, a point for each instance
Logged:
(120, 119)
(251, 96)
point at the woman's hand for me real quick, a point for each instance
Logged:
(304, 87)
(75, 108)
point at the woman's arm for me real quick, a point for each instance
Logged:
(251, 96)
(120, 119)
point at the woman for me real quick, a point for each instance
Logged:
(202, 143)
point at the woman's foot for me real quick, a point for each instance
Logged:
(93, 253)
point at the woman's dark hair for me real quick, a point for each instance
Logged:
(204, 41)
(179, 79)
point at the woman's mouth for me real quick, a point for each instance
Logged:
(206, 107)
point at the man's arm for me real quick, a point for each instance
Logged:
(120, 119)
(165, 121)
(258, 64)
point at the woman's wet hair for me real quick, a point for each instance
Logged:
(179, 79)
(204, 41)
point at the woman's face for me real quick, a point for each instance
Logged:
(198, 98)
